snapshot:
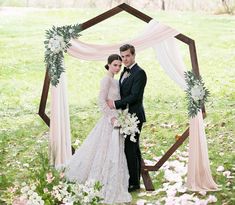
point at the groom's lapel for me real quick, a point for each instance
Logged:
(121, 78)
(132, 71)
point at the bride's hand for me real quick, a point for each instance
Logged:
(113, 120)
(115, 123)
(110, 104)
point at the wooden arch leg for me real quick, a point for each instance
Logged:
(146, 168)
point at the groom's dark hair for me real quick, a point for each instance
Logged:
(126, 47)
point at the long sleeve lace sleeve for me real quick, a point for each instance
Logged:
(105, 85)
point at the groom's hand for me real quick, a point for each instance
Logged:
(110, 104)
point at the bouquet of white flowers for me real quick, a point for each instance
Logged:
(128, 124)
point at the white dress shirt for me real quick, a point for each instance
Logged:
(125, 75)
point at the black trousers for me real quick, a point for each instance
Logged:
(133, 156)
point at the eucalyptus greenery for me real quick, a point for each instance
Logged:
(197, 93)
(56, 43)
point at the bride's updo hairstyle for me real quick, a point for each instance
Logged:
(112, 58)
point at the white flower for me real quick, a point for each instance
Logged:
(203, 193)
(220, 169)
(197, 92)
(132, 138)
(128, 124)
(56, 44)
(33, 187)
(86, 199)
(201, 202)
(30, 192)
(211, 199)
(71, 30)
(77, 142)
(24, 189)
(226, 173)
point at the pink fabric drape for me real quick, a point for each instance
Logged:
(161, 38)
(59, 141)
(153, 33)
(199, 174)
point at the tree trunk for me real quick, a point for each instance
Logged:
(192, 5)
(163, 5)
(225, 4)
(27, 3)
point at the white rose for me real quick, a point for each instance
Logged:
(30, 192)
(86, 199)
(56, 44)
(33, 187)
(197, 92)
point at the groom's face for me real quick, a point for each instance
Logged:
(127, 58)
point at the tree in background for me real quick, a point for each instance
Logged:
(215, 6)
(227, 6)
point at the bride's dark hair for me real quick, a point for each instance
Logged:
(111, 58)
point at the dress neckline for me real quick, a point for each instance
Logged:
(112, 77)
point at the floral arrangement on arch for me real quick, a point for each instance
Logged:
(56, 43)
(196, 92)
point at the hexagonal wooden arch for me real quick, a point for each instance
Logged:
(193, 56)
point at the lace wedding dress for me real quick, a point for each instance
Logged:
(101, 156)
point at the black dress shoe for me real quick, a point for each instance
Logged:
(132, 188)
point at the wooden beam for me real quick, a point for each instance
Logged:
(167, 155)
(135, 12)
(100, 18)
(146, 177)
(43, 102)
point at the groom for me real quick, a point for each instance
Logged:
(132, 83)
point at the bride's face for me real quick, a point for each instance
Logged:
(115, 66)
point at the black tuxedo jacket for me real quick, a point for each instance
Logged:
(132, 91)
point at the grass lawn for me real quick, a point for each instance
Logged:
(23, 135)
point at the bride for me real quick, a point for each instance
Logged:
(101, 157)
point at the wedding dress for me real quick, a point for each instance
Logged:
(101, 156)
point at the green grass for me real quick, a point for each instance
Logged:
(23, 134)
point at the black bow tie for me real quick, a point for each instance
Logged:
(127, 69)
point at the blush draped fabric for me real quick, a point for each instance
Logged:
(59, 140)
(161, 38)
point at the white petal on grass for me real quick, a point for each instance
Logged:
(211, 199)
(141, 202)
(142, 194)
(226, 173)
(220, 169)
